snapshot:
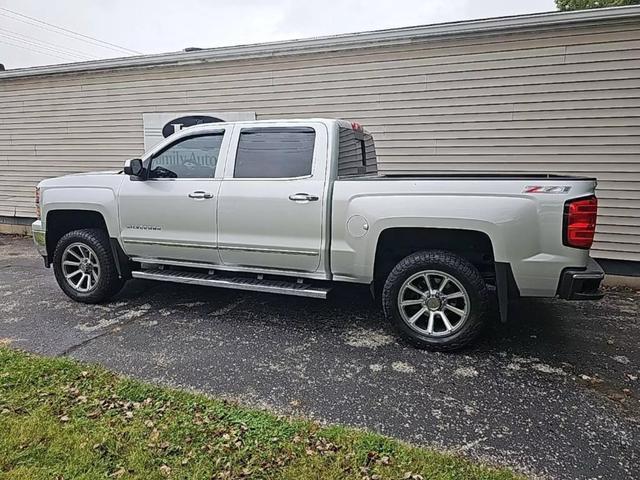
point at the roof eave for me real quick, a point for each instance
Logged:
(339, 42)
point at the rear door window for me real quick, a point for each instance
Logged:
(275, 152)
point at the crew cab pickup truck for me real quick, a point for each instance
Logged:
(298, 207)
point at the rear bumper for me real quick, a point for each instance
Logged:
(581, 283)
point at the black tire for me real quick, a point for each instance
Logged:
(461, 271)
(108, 282)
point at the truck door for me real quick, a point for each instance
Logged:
(172, 214)
(272, 197)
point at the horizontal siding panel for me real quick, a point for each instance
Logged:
(37, 144)
(415, 83)
(427, 116)
(556, 69)
(605, 202)
(617, 220)
(607, 46)
(541, 133)
(523, 141)
(125, 138)
(594, 113)
(523, 80)
(34, 122)
(558, 125)
(402, 88)
(624, 231)
(98, 147)
(525, 151)
(628, 53)
(452, 114)
(415, 97)
(623, 69)
(615, 255)
(608, 190)
(230, 87)
(550, 90)
(57, 170)
(618, 247)
(353, 95)
(629, 171)
(628, 234)
(562, 162)
(97, 124)
(619, 212)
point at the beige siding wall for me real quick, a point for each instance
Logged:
(563, 100)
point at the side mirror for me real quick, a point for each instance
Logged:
(133, 167)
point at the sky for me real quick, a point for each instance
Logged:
(158, 26)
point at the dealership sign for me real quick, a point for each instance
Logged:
(158, 126)
(177, 124)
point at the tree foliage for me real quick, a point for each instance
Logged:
(565, 5)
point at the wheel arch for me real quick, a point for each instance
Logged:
(61, 221)
(396, 243)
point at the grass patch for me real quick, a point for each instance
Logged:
(60, 419)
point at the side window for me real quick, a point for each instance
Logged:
(275, 152)
(191, 157)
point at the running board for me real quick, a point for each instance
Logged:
(238, 283)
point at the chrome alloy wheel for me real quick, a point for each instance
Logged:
(433, 303)
(80, 267)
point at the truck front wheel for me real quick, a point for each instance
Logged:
(84, 266)
(436, 300)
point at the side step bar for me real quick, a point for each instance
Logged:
(238, 283)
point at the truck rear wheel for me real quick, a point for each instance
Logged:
(84, 266)
(436, 300)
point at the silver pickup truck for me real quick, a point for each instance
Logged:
(298, 207)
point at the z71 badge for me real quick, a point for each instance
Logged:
(547, 189)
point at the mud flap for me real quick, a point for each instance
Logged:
(121, 259)
(506, 289)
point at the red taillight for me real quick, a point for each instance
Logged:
(580, 222)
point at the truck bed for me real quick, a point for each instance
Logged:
(523, 223)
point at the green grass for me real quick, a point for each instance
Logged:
(60, 419)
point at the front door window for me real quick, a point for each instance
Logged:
(192, 157)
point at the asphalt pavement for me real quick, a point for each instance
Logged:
(555, 393)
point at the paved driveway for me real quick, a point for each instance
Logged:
(553, 394)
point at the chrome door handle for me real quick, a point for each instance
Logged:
(200, 194)
(303, 197)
